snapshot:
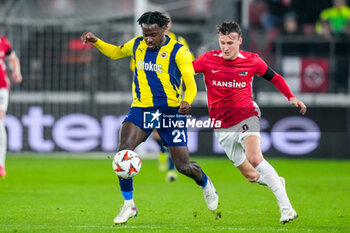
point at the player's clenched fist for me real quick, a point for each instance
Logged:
(185, 108)
(88, 36)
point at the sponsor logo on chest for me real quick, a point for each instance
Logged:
(149, 66)
(233, 84)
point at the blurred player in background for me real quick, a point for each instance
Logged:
(165, 162)
(228, 77)
(161, 63)
(7, 54)
(336, 18)
(164, 158)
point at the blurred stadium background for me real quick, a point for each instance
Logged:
(73, 99)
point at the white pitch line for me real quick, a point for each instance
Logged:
(124, 226)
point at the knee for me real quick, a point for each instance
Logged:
(255, 159)
(2, 115)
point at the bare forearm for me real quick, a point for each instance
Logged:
(14, 63)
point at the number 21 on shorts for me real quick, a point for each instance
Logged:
(180, 136)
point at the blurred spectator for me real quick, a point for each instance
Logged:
(337, 16)
(290, 25)
(273, 17)
(326, 30)
(291, 28)
(346, 31)
(308, 12)
(343, 61)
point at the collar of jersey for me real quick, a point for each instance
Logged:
(167, 40)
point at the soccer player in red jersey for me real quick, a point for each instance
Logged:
(228, 76)
(10, 56)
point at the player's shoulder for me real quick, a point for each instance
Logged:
(212, 54)
(250, 57)
(4, 43)
(4, 39)
(173, 42)
(246, 54)
(177, 48)
(172, 35)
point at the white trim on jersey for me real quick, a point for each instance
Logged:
(218, 55)
(240, 55)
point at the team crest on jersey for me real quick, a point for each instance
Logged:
(243, 73)
(163, 54)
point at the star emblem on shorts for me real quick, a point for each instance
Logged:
(156, 115)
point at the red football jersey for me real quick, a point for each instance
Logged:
(5, 49)
(229, 85)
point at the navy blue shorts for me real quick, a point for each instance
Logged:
(170, 124)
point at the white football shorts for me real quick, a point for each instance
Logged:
(232, 139)
(4, 98)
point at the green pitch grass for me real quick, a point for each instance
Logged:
(42, 194)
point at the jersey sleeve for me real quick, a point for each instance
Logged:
(183, 41)
(275, 78)
(115, 52)
(260, 66)
(7, 46)
(183, 60)
(198, 64)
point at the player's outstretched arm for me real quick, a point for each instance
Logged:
(88, 36)
(298, 103)
(283, 87)
(112, 51)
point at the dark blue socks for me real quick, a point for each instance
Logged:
(203, 181)
(127, 188)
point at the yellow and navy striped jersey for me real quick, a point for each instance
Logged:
(158, 73)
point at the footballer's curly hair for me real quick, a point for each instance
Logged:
(154, 17)
(228, 27)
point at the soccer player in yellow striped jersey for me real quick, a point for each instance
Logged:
(160, 64)
(158, 70)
